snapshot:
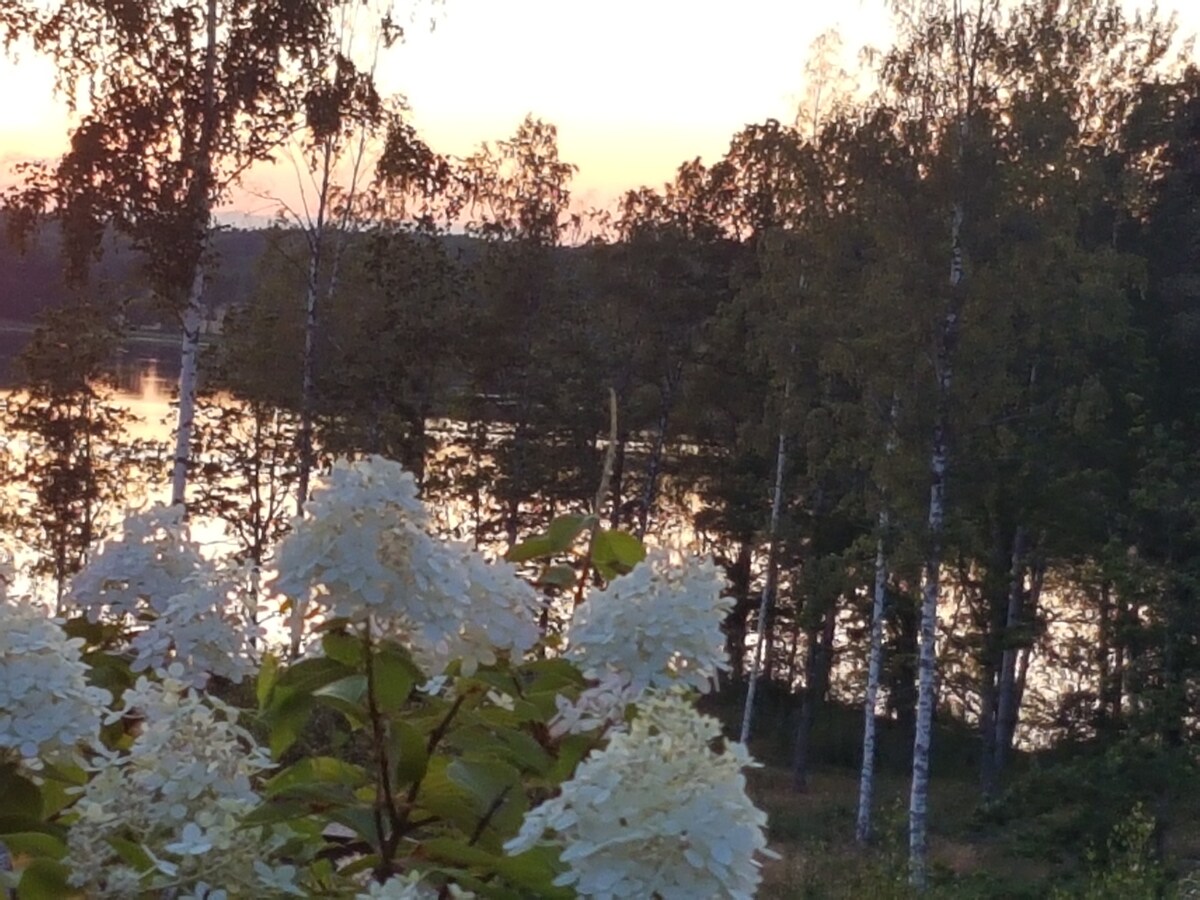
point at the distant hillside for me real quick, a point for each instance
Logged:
(31, 280)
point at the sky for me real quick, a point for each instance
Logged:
(635, 87)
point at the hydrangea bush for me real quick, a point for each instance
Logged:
(429, 742)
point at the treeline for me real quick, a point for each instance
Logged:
(953, 326)
(32, 280)
(926, 362)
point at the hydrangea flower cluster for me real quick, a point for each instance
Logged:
(177, 796)
(180, 606)
(599, 707)
(364, 550)
(47, 706)
(409, 887)
(656, 813)
(658, 626)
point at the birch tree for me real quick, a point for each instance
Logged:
(940, 65)
(179, 100)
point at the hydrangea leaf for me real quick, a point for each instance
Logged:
(44, 879)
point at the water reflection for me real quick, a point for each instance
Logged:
(145, 373)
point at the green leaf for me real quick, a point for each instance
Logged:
(132, 853)
(316, 769)
(21, 796)
(616, 552)
(533, 871)
(571, 751)
(44, 879)
(309, 675)
(445, 798)
(18, 824)
(395, 677)
(550, 675)
(360, 820)
(560, 536)
(496, 789)
(532, 548)
(408, 754)
(355, 713)
(557, 575)
(268, 672)
(286, 719)
(564, 530)
(345, 648)
(276, 811)
(35, 843)
(350, 689)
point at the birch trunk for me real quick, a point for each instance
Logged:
(316, 242)
(918, 811)
(200, 203)
(768, 591)
(866, 781)
(193, 315)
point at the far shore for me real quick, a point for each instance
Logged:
(134, 335)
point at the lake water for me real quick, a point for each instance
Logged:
(145, 374)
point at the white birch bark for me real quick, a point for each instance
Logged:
(918, 807)
(193, 314)
(866, 780)
(768, 591)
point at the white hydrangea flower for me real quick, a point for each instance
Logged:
(46, 703)
(657, 626)
(180, 792)
(656, 813)
(601, 706)
(180, 606)
(144, 566)
(363, 551)
(409, 887)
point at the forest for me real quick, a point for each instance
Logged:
(917, 370)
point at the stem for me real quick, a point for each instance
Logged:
(384, 797)
(492, 809)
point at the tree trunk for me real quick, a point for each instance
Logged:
(316, 244)
(654, 464)
(316, 240)
(735, 622)
(768, 591)
(1007, 688)
(918, 809)
(866, 781)
(188, 368)
(820, 661)
(200, 205)
(1012, 716)
(902, 682)
(618, 480)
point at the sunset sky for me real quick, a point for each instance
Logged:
(635, 86)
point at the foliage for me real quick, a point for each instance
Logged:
(422, 651)
(67, 459)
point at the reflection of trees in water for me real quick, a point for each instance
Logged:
(464, 482)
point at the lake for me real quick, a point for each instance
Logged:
(145, 372)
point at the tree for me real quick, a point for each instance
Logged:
(182, 98)
(519, 195)
(69, 459)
